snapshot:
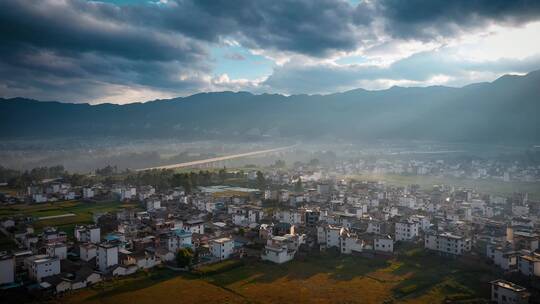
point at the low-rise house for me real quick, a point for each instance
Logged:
(165, 255)
(503, 292)
(124, 270)
(59, 283)
(146, 260)
(73, 279)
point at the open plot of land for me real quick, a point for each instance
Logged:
(483, 186)
(414, 276)
(54, 214)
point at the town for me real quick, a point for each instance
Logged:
(74, 232)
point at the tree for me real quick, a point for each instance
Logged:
(222, 174)
(184, 257)
(280, 164)
(261, 181)
(298, 187)
(314, 162)
(184, 180)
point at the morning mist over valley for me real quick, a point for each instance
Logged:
(329, 151)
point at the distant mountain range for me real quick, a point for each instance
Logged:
(506, 110)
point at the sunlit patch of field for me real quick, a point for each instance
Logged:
(415, 276)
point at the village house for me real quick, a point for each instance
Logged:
(447, 243)
(222, 248)
(503, 292)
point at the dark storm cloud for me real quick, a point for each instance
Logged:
(160, 46)
(89, 27)
(303, 26)
(66, 47)
(427, 19)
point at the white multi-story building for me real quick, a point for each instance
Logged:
(529, 264)
(40, 198)
(254, 215)
(58, 250)
(447, 243)
(7, 269)
(406, 230)
(240, 219)
(152, 205)
(222, 248)
(194, 226)
(520, 210)
(504, 258)
(87, 251)
(423, 222)
(350, 243)
(88, 234)
(107, 256)
(88, 193)
(289, 217)
(280, 249)
(374, 227)
(42, 266)
(179, 238)
(383, 243)
(503, 292)
(125, 193)
(328, 236)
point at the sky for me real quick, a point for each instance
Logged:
(133, 51)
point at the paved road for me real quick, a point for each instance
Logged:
(56, 216)
(216, 159)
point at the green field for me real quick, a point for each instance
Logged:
(483, 186)
(83, 213)
(415, 276)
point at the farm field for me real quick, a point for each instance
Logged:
(82, 213)
(415, 276)
(483, 186)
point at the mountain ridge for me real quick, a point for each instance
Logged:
(503, 110)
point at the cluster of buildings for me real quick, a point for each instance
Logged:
(475, 169)
(277, 224)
